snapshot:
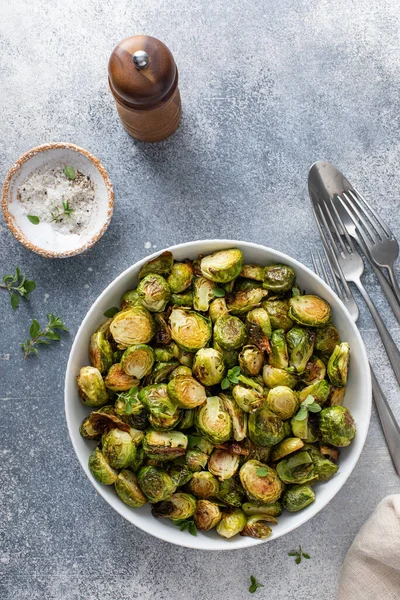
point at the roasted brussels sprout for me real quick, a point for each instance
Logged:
(164, 413)
(155, 484)
(229, 332)
(178, 506)
(180, 474)
(130, 298)
(338, 365)
(301, 345)
(265, 428)
(329, 452)
(297, 468)
(304, 429)
(337, 426)
(100, 352)
(100, 469)
(138, 360)
(319, 390)
(279, 356)
(241, 301)
(260, 318)
(196, 459)
(230, 357)
(238, 417)
(91, 428)
(186, 391)
(232, 522)
(203, 293)
(251, 360)
(248, 399)
(181, 277)
(165, 445)
(310, 311)
(186, 358)
(223, 464)
(118, 448)
(273, 377)
(261, 482)
(272, 510)
(161, 264)
(154, 292)
(190, 330)
(278, 314)
(326, 339)
(285, 447)
(200, 443)
(91, 387)
(161, 372)
(257, 527)
(298, 497)
(315, 371)
(213, 421)
(207, 515)
(187, 419)
(128, 490)
(166, 353)
(181, 371)
(222, 266)
(134, 325)
(283, 401)
(217, 309)
(128, 403)
(231, 492)
(117, 380)
(279, 278)
(185, 299)
(208, 366)
(336, 396)
(203, 485)
(254, 272)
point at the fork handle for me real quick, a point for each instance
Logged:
(389, 424)
(393, 281)
(392, 297)
(391, 348)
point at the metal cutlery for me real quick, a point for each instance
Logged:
(390, 426)
(362, 223)
(349, 265)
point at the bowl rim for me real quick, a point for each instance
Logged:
(9, 219)
(302, 518)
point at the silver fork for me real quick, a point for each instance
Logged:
(368, 229)
(350, 265)
(389, 424)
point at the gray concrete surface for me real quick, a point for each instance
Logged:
(267, 88)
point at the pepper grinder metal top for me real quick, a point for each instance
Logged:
(143, 79)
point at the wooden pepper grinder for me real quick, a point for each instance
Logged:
(144, 82)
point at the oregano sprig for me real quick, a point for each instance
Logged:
(309, 404)
(66, 211)
(254, 584)
(184, 524)
(234, 376)
(17, 285)
(131, 399)
(42, 336)
(299, 554)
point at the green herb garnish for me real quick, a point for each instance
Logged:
(111, 312)
(33, 219)
(299, 554)
(17, 285)
(254, 585)
(66, 211)
(308, 405)
(218, 292)
(231, 377)
(131, 399)
(70, 173)
(262, 471)
(42, 336)
(184, 524)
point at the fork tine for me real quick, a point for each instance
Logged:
(335, 279)
(382, 223)
(339, 221)
(373, 231)
(316, 268)
(351, 210)
(328, 229)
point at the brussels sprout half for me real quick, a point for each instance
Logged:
(203, 293)
(154, 292)
(130, 298)
(117, 380)
(213, 421)
(273, 377)
(118, 448)
(326, 339)
(222, 266)
(315, 371)
(283, 401)
(229, 332)
(319, 390)
(338, 365)
(186, 391)
(261, 482)
(91, 387)
(301, 345)
(254, 272)
(257, 526)
(265, 428)
(273, 509)
(279, 278)
(128, 490)
(298, 497)
(232, 522)
(207, 515)
(238, 417)
(181, 277)
(100, 469)
(285, 447)
(241, 301)
(134, 325)
(190, 330)
(185, 299)
(279, 356)
(178, 506)
(251, 360)
(223, 464)
(138, 360)
(278, 314)
(208, 366)
(298, 468)
(310, 310)
(100, 352)
(161, 265)
(165, 445)
(231, 492)
(248, 399)
(155, 484)
(217, 309)
(337, 426)
(203, 485)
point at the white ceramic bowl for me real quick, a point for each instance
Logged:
(43, 238)
(358, 396)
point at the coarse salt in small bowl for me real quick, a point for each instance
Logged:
(54, 232)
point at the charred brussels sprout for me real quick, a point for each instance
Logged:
(336, 396)
(155, 484)
(223, 464)
(128, 490)
(178, 506)
(207, 515)
(301, 345)
(187, 420)
(138, 360)
(257, 527)
(241, 301)
(217, 309)
(337, 426)
(181, 277)
(229, 332)
(161, 265)
(181, 371)
(196, 459)
(326, 339)
(118, 448)
(203, 293)
(165, 445)
(254, 272)
(251, 360)
(134, 325)
(208, 366)
(248, 399)
(260, 318)
(274, 509)
(324, 467)
(279, 278)
(315, 371)
(190, 330)
(231, 493)
(162, 371)
(91, 387)
(278, 314)
(100, 352)
(185, 299)
(238, 417)
(273, 377)
(186, 391)
(213, 421)
(130, 298)
(319, 390)
(298, 468)
(279, 356)
(230, 357)
(283, 401)
(261, 482)
(154, 292)
(164, 413)
(338, 365)
(222, 266)
(117, 380)
(265, 428)
(311, 311)
(180, 474)
(166, 353)
(100, 469)
(298, 497)
(232, 522)
(203, 485)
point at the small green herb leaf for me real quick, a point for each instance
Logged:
(14, 299)
(17, 285)
(34, 329)
(298, 560)
(33, 219)
(262, 471)
(42, 336)
(70, 173)
(111, 312)
(254, 584)
(306, 555)
(218, 292)
(299, 554)
(225, 383)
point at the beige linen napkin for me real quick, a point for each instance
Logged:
(371, 569)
